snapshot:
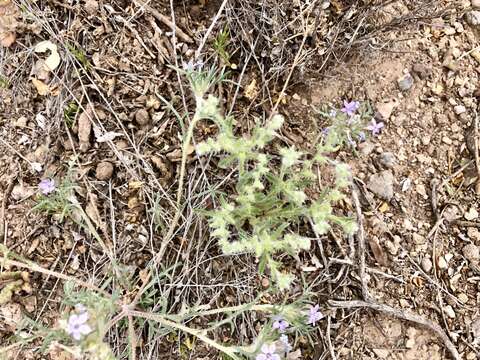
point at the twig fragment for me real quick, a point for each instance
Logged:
(360, 235)
(401, 314)
(165, 20)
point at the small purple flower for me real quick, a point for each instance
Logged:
(80, 308)
(192, 66)
(284, 341)
(332, 113)
(268, 353)
(280, 324)
(46, 186)
(77, 325)
(325, 131)
(375, 127)
(350, 107)
(361, 136)
(314, 315)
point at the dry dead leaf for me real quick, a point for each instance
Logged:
(133, 185)
(7, 39)
(53, 60)
(8, 23)
(93, 213)
(377, 251)
(251, 90)
(41, 87)
(11, 315)
(297, 354)
(85, 128)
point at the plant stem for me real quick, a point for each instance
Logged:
(194, 332)
(178, 212)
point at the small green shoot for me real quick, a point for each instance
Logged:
(80, 55)
(69, 114)
(220, 45)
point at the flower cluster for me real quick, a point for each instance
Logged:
(272, 351)
(77, 325)
(47, 186)
(348, 125)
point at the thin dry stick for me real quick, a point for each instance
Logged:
(164, 19)
(210, 28)
(194, 332)
(6, 194)
(133, 338)
(361, 245)
(37, 268)
(329, 340)
(477, 153)
(401, 314)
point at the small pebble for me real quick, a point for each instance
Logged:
(381, 184)
(142, 117)
(421, 70)
(427, 265)
(459, 109)
(473, 18)
(448, 310)
(447, 140)
(104, 171)
(473, 234)
(471, 253)
(388, 160)
(405, 82)
(442, 263)
(265, 283)
(471, 214)
(418, 239)
(463, 298)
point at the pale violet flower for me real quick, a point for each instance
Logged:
(314, 315)
(375, 127)
(349, 108)
(47, 186)
(192, 66)
(361, 136)
(333, 113)
(80, 308)
(279, 324)
(77, 325)
(267, 353)
(285, 342)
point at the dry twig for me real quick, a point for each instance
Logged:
(401, 314)
(165, 20)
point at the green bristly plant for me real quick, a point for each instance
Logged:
(270, 200)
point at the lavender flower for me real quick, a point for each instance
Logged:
(280, 324)
(325, 131)
(350, 107)
(362, 136)
(314, 315)
(333, 113)
(284, 341)
(192, 66)
(268, 353)
(46, 186)
(375, 127)
(77, 325)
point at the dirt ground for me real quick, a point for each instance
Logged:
(418, 180)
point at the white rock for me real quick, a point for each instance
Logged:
(427, 265)
(459, 109)
(442, 263)
(471, 253)
(471, 214)
(448, 310)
